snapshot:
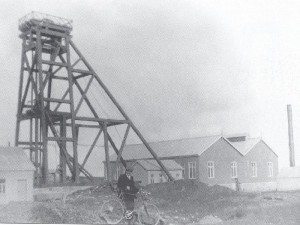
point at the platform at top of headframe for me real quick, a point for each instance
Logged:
(37, 19)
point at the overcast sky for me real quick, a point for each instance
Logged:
(179, 69)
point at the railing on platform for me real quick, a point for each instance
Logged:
(28, 20)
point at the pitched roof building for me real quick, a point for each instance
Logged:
(215, 159)
(16, 175)
(14, 159)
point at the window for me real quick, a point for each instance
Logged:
(211, 169)
(233, 166)
(270, 169)
(192, 170)
(183, 166)
(152, 179)
(177, 175)
(2, 186)
(253, 169)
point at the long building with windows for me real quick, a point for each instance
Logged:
(235, 162)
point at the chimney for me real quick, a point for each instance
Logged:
(237, 138)
(291, 136)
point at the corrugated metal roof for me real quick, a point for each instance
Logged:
(153, 165)
(245, 146)
(182, 147)
(14, 158)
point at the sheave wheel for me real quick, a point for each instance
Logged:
(112, 211)
(148, 215)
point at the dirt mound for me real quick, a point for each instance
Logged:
(181, 190)
(171, 191)
(187, 199)
(95, 191)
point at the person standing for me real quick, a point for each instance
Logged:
(127, 187)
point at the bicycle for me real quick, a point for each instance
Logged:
(113, 210)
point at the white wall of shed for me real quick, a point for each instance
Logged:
(11, 184)
(158, 179)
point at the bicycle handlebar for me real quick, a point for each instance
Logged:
(141, 192)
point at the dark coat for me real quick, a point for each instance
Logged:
(127, 186)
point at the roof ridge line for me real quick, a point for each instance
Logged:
(180, 139)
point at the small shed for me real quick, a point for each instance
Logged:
(149, 172)
(16, 175)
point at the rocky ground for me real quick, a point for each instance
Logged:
(182, 202)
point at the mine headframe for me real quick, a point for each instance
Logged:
(55, 100)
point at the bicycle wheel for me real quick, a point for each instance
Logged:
(112, 211)
(148, 214)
